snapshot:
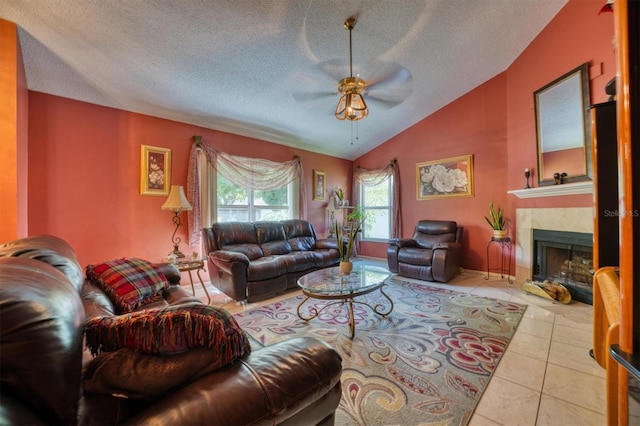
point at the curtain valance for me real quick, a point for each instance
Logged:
(376, 177)
(253, 173)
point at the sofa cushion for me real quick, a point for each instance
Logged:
(266, 268)
(169, 330)
(252, 251)
(298, 261)
(300, 234)
(275, 248)
(129, 282)
(267, 231)
(131, 374)
(228, 233)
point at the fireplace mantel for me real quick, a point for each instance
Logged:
(554, 190)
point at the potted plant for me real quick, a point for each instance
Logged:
(340, 196)
(346, 236)
(496, 222)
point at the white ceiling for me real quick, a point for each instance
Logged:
(235, 65)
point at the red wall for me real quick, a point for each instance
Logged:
(84, 176)
(474, 124)
(496, 123)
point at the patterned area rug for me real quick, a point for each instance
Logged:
(428, 362)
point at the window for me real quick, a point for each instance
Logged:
(237, 203)
(376, 202)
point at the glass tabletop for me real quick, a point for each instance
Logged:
(331, 281)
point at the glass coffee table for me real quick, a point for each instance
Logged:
(331, 284)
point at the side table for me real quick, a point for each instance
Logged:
(193, 265)
(503, 243)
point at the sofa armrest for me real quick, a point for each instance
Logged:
(170, 271)
(297, 380)
(225, 259)
(327, 243)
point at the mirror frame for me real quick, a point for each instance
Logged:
(583, 72)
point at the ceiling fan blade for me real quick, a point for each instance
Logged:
(386, 73)
(305, 97)
(389, 94)
(311, 88)
(336, 69)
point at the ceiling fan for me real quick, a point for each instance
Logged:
(387, 85)
(351, 105)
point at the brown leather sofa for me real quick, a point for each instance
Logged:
(255, 260)
(45, 304)
(432, 254)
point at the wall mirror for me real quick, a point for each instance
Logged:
(562, 128)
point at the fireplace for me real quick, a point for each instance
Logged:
(566, 258)
(570, 219)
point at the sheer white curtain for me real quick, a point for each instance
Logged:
(376, 177)
(253, 173)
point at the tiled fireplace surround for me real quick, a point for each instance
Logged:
(573, 219)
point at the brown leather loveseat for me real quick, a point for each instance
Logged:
(432, 254)
(255, 260)
(46, 377)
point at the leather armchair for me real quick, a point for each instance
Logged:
(432, 254)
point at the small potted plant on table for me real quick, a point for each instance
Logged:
(497, 222)
(346, 235)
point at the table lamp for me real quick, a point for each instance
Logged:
(176, 202)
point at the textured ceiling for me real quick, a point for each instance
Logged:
(241, 66)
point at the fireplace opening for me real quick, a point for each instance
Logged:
(565, 258)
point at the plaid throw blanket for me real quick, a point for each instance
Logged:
(169, 330)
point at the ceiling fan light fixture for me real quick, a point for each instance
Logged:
(352, 107)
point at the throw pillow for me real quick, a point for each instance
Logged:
(169, 330)
(129, 282)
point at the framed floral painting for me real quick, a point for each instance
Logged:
(319, 185)
(155, 170)
(449, 177)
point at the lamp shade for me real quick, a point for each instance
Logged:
(176, 201)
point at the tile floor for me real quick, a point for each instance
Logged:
(546, 376)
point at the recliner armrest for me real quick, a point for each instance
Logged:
(402, 242)
(447, 246)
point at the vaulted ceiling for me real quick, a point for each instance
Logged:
(269, 69)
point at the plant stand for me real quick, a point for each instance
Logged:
(505, 245)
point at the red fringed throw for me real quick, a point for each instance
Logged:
(169, 330)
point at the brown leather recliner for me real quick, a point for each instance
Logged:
(44, 304)
(432, 254)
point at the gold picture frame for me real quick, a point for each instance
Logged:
(449, 177)
(155, 170)
(319, 185)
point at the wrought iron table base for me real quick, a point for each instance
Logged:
(345, 298)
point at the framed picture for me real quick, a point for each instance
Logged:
(155, 170)
(450, 177)
(319, 185)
